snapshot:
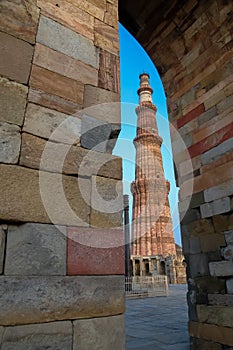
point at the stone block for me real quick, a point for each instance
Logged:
(20, 19)
(13, 98)
(56, 84)
(96, 8)
(198, 265)
(106, 202)
(10, 141)
(212, 242)
(36, 250)
(2, 248)
(109, 72)
(52, 34)
(211, 141)
(227, 253)
(220, 191)
(102, 105)
(200, 227)
(220, 299)
(218, 315)
(219, 206)
(92, 251)
(95, 134)
(202, 344)
(103, 333)
(229, 236)
(66, 159)
(28, 196)
(70, 15)
(52, 125)
(16, 58)
(190, 115)
(32, 299)
(111, 14)
(217, 151)
(229, 284)
(210, 285)
(52, 336)
(106, 37)
(221, 268)
(220, 222)
(206, 116)
(62, 64)
(53, 102)
(218, 334)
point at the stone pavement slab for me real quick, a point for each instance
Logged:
(159, 323)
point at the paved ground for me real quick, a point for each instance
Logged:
(158, 323)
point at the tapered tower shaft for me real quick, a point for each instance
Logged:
(151, 227)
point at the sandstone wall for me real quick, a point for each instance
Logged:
(58, 288)
(194, 54)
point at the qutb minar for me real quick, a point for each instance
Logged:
(153, 248)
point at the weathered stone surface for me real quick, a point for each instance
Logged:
(69, 67)
(95, 96)
(198, 265)
(67, 159)
(52, 336)
(70, 15)
(109, 72)
(54, 102)
(48, 198)
(106, 37)
(220, 299)
(56, 84)
(42, 299)
(216, 207)
(95, 134)
(2, 249)
(92, 251)
(12, 101)
(111, 14)
(219, 191)
(228, 253)
(10, 141)
(219, 334)
(36, 249)
(229, 236)
(16, 57)
(62, 39)
(217, 151)
(218, 315)
(52, 125)
(106, 202)
(19, 18)
(212, 242)
(229, 284)
(103, 333)
(102, 104)
(221, 268)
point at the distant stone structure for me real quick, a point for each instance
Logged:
(153, 248)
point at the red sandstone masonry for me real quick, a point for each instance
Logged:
(93, 251)
(211, 141)
(191, 115)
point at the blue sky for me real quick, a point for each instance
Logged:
(133, 61)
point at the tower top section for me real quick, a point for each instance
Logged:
(145, 91)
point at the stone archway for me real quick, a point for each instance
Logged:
(191, 46)
(44, 79)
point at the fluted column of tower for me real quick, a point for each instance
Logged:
(151, 226)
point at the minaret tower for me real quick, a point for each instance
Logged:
(151, 226)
